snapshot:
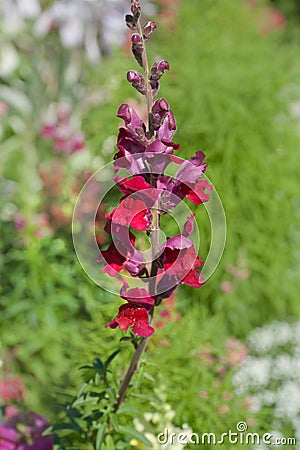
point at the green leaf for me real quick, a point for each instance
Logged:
(100, 435)
(134, 434)
(114, 422)
(127, 409)
(81, 390)
(98, 364)
(111, 357)
(147, 397)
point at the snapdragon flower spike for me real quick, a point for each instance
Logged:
(145, 151)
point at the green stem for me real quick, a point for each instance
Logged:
(132, 368)
(149, 95)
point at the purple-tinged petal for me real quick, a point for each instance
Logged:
(189, 225)
(197, 195)
(137, 295)
(198, 158)
(178, 242)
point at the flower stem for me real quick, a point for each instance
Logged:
(132, 368)
(149, 95)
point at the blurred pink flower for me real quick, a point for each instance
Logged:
(3, 108)
(227, 395)
(236, 351)
(12, 389)
(271, 19)
(227, 287)
(19, 221)
(223, 409)
(251, 422)
(203, 394)
(60, 131)
(10, 411)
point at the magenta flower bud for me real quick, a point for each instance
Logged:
(157, 71)
(137, 80)
(133, 76)
(163, 65)
(136, 8)
(136, 38)
(137, 48)
(160, 105)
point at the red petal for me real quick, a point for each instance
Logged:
(196, 194)
(143, 329)
(131, 212)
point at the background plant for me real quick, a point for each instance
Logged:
(243, 85)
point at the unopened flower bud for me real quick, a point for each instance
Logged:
(136, 8)
(148, 30)
(163, 65)
(136, 39)
(137, 80)
(137, 48)
(157, 70)
(161, 105)
(130, 21)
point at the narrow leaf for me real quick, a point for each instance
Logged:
(111, 357)
(100, 435)
(134, 434)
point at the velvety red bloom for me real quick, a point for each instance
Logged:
(131, 185)
(131, 212)
(121, 253)
(197, 194)
(180, 263)
(135, 316)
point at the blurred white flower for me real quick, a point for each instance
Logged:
(271, 375)
(14, 12)
(9, 59)
(96, 25)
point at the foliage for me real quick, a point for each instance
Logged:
(231, 91)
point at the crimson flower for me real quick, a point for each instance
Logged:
(135, 316)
